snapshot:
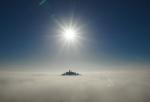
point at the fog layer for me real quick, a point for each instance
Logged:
(105, 86)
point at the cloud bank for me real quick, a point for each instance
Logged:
(106, 86)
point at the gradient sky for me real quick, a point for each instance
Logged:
(114, 31)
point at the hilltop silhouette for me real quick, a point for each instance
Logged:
(70, 73)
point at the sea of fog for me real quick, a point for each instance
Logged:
(102, 86)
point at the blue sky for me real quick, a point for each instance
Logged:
(117, 31)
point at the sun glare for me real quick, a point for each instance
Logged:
(69, 34)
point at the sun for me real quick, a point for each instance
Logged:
(69, 34)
